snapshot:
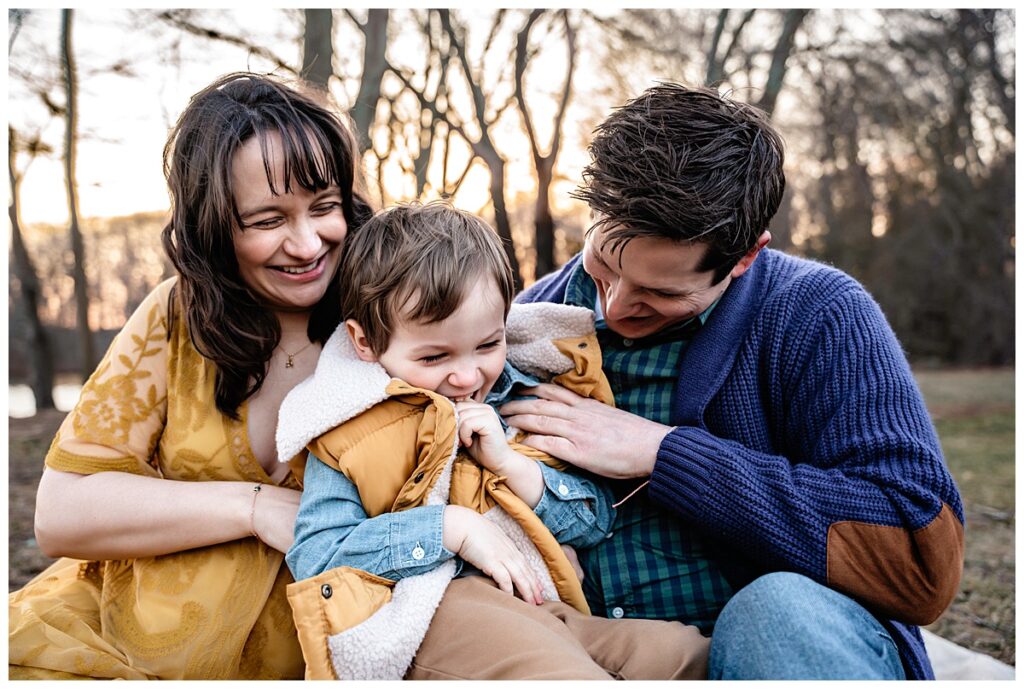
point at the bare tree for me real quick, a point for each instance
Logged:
(318, 47)
(716, 62)
(483, 145)
(70, 146)
(375, 43)
(544, 163)
(24, 269)
(791, 21)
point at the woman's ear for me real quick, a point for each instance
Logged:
(359, 341)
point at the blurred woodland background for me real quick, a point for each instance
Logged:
(899, 125)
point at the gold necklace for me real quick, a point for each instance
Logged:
(291, 356)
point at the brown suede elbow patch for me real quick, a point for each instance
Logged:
(910, 576)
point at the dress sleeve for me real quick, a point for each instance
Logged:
(122, 410)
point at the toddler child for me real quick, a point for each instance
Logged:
(410, 480)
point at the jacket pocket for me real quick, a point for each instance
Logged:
(330, 603)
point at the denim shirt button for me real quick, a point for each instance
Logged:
(418, 553)
(563, 489)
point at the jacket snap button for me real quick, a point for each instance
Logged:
(326, 591)
(582, 345)
(419, 477)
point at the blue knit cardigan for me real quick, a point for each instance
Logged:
(802, 441)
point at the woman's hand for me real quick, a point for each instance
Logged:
(482, 544)
(273, 515)
(604, 440)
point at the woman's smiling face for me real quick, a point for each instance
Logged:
(288, 245)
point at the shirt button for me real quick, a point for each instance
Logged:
(618, 613)
(418, 553)
(563, 489)
(628, 342)
(609, 536)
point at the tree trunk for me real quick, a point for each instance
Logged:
(777, 72)
(544, 164)
(502, 224)
(42, 357)
(375, 64)
(77, 243)
(318, 47)
(544, 224)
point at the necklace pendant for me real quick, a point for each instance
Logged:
(289, 363)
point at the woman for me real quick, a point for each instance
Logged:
(163, 483)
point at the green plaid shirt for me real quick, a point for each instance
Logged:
(651, 565)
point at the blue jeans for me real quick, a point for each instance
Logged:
(787, 626)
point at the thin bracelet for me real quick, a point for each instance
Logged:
(252, 512)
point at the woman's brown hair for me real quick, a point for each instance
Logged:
(226, 320)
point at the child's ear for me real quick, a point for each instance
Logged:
(359, 341)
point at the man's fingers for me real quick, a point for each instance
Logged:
(555, 393)
(541, 424)
(557, 447)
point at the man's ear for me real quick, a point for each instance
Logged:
(748, 260)
(359, 341)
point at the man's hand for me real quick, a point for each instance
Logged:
(593, 436)
(482, 544)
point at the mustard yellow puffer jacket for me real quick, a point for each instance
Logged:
(402, 451)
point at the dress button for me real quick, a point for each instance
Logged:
(563, 489)
(418, 553)
(618, 613)
(326, 591)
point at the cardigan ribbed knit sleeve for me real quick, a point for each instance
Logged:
(817, 455)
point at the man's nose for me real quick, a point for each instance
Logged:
(619, 301)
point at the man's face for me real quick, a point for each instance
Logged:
(651, 283)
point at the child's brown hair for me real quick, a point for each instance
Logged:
(432, 252)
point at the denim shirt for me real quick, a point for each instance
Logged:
(332, 529)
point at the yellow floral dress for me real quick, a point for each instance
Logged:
(217, 612)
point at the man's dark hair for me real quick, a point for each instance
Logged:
(686, 164)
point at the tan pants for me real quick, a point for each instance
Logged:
(480, 632)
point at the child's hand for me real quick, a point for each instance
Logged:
(482, 544)
(483, 437)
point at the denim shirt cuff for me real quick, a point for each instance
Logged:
(418, 543)
(556, 507)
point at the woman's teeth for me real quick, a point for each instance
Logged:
(299, 270)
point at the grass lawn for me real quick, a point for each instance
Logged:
(974, 415)
(973, 412)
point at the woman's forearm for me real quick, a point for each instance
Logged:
(114, 515)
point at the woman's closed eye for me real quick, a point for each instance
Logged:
(264, 223)
(325, 208)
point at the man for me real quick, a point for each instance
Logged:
(782, 482)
